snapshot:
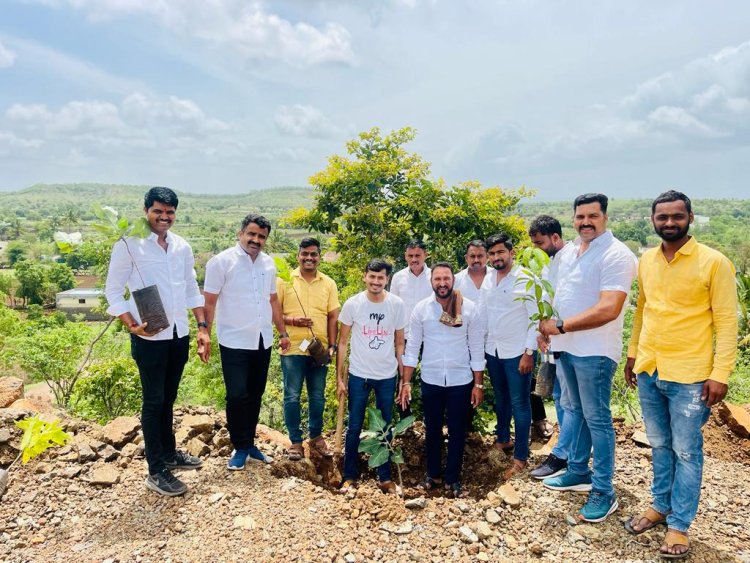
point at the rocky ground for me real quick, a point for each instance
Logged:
(87, 502)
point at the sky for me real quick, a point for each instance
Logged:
(226, 96)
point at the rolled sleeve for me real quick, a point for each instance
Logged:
(411, 354)
(120, 270)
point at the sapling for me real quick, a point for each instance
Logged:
(379, 441)
(38, 436)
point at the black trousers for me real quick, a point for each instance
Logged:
(245, 376)
(160, 364)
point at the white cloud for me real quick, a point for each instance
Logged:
(248, 28)
(7, 57)
(304, 121)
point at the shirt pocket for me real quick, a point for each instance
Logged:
(688, 289)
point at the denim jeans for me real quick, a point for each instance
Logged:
(298, 369)
(562, 447)
(512, 390)
(245, 375)
(448, 404)
(588, 384)
(674, 415)
(359, 393)
(160, 364)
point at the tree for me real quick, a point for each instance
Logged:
(16, 252)
(380, 196)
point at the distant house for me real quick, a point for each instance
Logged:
(81, 300)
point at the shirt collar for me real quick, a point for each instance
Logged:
(241, 252)
(604, 238)
(688, 247)
(154, 237)
(425, 272)
(298, 274)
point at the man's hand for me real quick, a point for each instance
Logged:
(285, 344)
(404, 395)
(542, 343)
(548, 327)
(142, 330)
(477, 396)
(341, 389)
(526, 364)
(713, 392)
(630, 378)
(301, 321)
(204, 346)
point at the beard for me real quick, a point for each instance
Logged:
(447, 294)
(671, 236)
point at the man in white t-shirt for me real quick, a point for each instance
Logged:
(240, 289)
(374, 319)
(469, 280)
(593, 278)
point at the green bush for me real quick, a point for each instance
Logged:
(108, 389)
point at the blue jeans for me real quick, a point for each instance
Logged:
(359, 393)
(450, 405)
(562, 447)
(298, 369)
(512, 390)
(674, 415)
(588, 384)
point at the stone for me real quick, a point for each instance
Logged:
(182, 435)
(4, 435)
(468, 535)
(105, 476)
(221, 439)
(737, 418)
(482, 556)
(494, 499)
(11, 389)
(640, 438)
(132, 450)
(574, 537)
(34, 406)
(509, 495)
(536, 549)
(405, 528)
(244, 523)
(71, 472)
(108, 453)
(491, 516)
(121, 430)
(571, 520)
(86, 453)
(589, 532)
(216, 497)
(197, 448)
(483, 530)
(420, 502)
(198, 423)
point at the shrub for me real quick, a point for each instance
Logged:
(108, 389)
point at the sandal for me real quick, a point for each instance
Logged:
(543, 429)
(653, 518)
(506, 447)
(430, 484)
(455, 490)
(295, 452)
(673, 539)
(348, 486)
(515, 468)
(388, 487)
(319, 446)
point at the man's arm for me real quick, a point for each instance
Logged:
(410, 358)
(631, 378)
(606, 310)
(278, 320)
(344, 333)
(332, 330)
(209, 313)
(476, 334)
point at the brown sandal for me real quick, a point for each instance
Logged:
(348, 486)
(295, 452)
(514, 469)
(672, 539)
(388, 487)
(653, 517)
(319, 446)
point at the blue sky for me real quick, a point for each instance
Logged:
(225, 96)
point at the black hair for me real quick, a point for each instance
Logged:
(545, 225)
(309, 241)
(416, 243)
(378, 265)
(441, 265)
(259, 220)
(499, 238)
(672, 195)
(591, 198)
(476, 243)
(162, 195)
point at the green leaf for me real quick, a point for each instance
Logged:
(403, 425)
(397, 456)
(370, 446)
(40, 435)
(367, 434)
(379, 457)
(140, 228)
(282, 269)
(375, 419)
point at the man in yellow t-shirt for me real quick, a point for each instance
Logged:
(310, 304)
(681, 353)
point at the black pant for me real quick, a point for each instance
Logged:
(537, 404)
(438, 404)
(245, 375)
(160, 364)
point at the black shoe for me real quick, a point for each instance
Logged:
(181, 460)
(166, 484)
(550, 467)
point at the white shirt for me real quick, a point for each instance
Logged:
(172, 271)
(450, 354)
(412, 289)
(607, 265)
(509, 332)
(372, 344)
(244, 287)
(465, 284)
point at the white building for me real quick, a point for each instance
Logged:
(81, 300)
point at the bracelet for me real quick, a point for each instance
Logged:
(404, 383)
(202, 324)
(479, 386)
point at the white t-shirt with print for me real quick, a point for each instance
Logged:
(372, 347)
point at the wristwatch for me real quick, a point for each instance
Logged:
(283, 335)
(202, 324)
(479, 385)
(529, 352)
(559, 325)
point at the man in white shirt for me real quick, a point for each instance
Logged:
(375, 320)
(240, 292)
(166, 260)
(593, 279)
(469, 280)
(510, 348)
(452, 371)
(412, 284)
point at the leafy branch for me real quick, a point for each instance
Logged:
(539, 291)
(378, 440)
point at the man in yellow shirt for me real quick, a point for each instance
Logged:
(310, 304)
(680, 356)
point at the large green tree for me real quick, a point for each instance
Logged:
(379, 196)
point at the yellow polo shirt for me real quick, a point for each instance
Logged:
(685, 325)
(317, 297)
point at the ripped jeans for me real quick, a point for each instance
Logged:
(674, 414)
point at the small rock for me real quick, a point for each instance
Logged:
(491, 516)
(244, 523)
(640, 438)
(197, 448)
(350, 558)
(509, 495)
(108, 453)
(71, 471)
(420, 502)
(482, 556)
(494, 499)
(105, 476)
(405, 528)
(132, 450)
(572, 520)
(574, 537)
(737, 418)
(588, 531)
(468, 535)
(216, 497)
(4, 435)
(536, 549)
(198, 423)
(463, 507)
(86, 453)
(121, 430)
(483, 530)
(11, 389)
(42, 468)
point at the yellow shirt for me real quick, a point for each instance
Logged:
(317, 298)
(685, 325)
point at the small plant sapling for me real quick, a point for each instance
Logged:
(378, 441)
